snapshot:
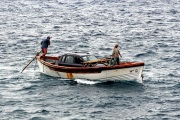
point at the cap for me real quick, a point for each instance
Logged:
(49, 37)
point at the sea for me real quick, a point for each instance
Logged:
(146, 30)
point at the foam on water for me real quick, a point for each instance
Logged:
(84, 81)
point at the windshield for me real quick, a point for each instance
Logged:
(90, 57)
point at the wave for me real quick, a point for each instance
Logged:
(146, 54)
(177, 86)
(38, 118)
(84, 81)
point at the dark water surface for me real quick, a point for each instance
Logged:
(147, 30)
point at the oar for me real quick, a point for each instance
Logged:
(30, 62)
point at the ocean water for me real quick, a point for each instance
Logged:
(146, 30)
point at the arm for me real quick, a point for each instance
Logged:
(49, 42)
(119, 54)
(113, 53)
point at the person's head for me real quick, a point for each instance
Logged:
(49, 37)
(116, 45)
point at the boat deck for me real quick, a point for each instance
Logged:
(100, 62)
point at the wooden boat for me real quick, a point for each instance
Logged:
(89, 67)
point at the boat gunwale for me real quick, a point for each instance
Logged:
(90, 69)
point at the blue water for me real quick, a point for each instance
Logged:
(146, 30)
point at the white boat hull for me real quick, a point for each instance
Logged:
(123, 74)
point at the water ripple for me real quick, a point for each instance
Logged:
(146, 31)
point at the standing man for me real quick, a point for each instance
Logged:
(116, 54)
(44, 46)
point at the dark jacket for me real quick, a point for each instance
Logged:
(45, 43)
